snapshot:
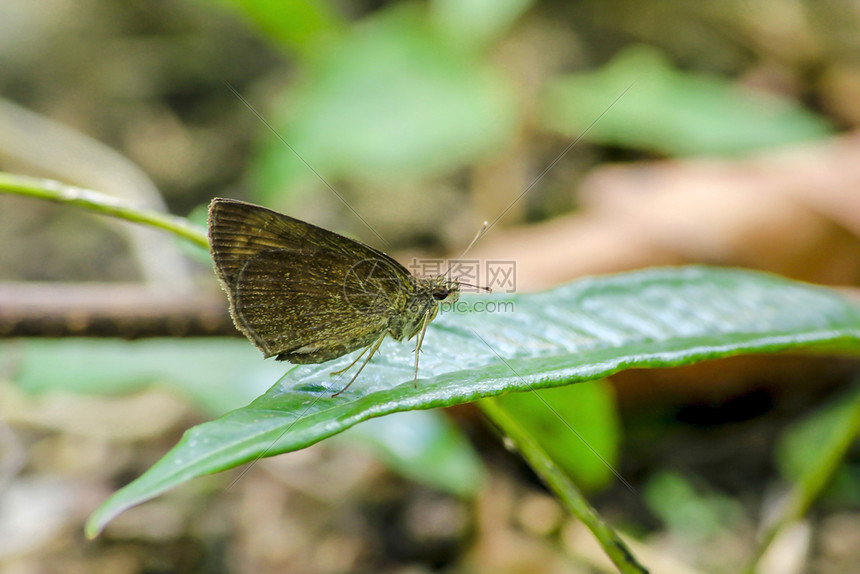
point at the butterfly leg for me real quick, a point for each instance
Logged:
(373, 349)
(348, 367)
(418, 343)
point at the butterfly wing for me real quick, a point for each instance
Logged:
(298, 291)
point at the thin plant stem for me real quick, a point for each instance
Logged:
(101, 203)
(810, 485)
(567, 492)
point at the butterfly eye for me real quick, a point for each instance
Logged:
(441, 293)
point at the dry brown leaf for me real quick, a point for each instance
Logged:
(793, 211)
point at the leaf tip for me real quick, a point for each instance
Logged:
(100, 518)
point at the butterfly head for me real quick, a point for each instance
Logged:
(445, 290)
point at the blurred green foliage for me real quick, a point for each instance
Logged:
(424, 446)
(671, 111)
(577, 425)
(808, 444)
(412, 92)
(219, 375)
(393, 100)
(204, 371)
(297, 25)
(688, 509)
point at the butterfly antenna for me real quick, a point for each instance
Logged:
(465, 251)
(481, 287)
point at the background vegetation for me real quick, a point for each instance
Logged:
(719, 133)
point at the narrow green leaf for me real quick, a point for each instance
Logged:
(585, 330)
(673, 111)
(834, 429)
(576, 425)
(810, 453)
(424, 446)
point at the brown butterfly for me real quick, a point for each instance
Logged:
(304, 294)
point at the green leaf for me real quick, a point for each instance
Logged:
(577, 425)
(688, 510)
(810, 452)
(496, 344)
(671, 111)
(216, 375)
(477, 22)
(424, 446)
(392, 100)
(298, 24)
